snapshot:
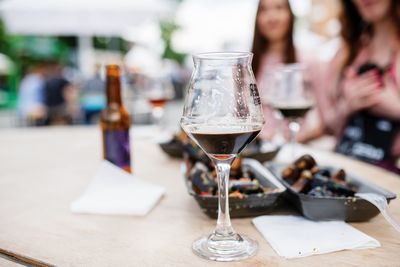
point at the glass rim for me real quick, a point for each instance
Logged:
(291, 66)
(231, 55)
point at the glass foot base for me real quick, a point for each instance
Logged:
(216, 248)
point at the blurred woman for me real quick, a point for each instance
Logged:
(365, 101)
(273, 36)
(273, 45)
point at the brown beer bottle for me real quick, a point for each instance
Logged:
(115, 122)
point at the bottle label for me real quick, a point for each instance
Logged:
(117, 148)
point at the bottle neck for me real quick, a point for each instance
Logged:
(113, 88)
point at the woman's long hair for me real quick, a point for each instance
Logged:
(354, 28)
(260, 43)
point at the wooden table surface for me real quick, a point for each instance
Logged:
(43, 170)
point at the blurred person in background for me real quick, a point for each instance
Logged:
(60, 98)
(31, 107)
(364, 102)
(93, 99)
(273, 44)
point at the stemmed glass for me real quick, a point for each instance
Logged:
(223, 114)
(159, 91)
(289, 92)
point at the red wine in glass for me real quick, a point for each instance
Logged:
(223, 143)
(293, 110)
(158, 102)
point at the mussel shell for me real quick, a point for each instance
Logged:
(202, 180)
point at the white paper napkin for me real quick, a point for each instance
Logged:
(114, 191)
(294, 236)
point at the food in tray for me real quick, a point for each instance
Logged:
(201, 172)
(242, 182)
(305, 176)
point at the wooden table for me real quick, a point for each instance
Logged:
(43, 170)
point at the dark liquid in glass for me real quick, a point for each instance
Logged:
(293, 111)
(158, 102)
(224, 143)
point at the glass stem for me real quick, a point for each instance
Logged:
(158, 113)
(224, 226)
(294, 128)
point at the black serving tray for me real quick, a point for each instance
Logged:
(252, 205)
(173, 148)
(261, 152)
(350, 209)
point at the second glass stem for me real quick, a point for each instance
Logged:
(158, 113)
(294, 128)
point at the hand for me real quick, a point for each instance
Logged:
(388, 104)
(360, 92)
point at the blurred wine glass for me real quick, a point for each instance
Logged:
(159, 90)
(288, 91)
